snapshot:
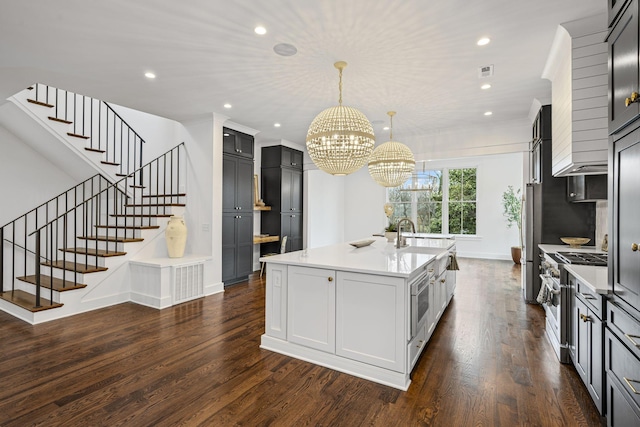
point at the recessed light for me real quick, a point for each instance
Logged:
(385, 128)
(276, 125)
(484, 41)
(488, 113)
(260, 30)
(149, 75)
(225, 134)
(485, 86)
(227, 106)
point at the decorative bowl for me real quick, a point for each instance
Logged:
(575, 242)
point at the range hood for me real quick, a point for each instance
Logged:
(577, 68)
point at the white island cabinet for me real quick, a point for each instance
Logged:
(349, 308)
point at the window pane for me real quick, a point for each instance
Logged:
(455, 184)
(469, 184)
(469, 218)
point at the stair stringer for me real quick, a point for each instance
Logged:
(21, 126)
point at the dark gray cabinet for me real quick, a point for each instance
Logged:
(279, 155)
(237, 213)
(237, 143)
(282, 189)
(587, 340)
(624, 101)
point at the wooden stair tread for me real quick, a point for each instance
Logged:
(94, 252)
(75, 135)
(112, 239)
(95, 150)
(28, 301)
(154, 205)
(137, 186)
(124, 175)
(56, 119)
(104, 162)
(165, 195)
(130, 227)
(77, 267)
(58, 284)
(44, 104)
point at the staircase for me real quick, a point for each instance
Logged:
(70, 254)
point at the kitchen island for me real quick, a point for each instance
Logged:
(355, 310)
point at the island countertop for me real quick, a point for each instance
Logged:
(380, 257)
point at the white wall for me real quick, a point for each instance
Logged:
(28, 179)
(324, 208)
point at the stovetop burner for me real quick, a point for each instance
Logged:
(583, 258)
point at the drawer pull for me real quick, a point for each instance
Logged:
(628, 381)
(585, 318)
(632, 99)
(330, 279)
(634, 247)
(633, 341)
(587, 296)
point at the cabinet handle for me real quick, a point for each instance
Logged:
(628, 381)
(294, 164)
(239, 208)
(587, 296)
(443, 280)
(330, 279)
(293, 216)
(572, 194)
(585, 318)
(634, 98)
(631, 338)
(634, 247)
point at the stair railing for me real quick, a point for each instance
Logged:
(96, 121)
(120, 209)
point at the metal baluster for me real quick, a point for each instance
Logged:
(37, 268)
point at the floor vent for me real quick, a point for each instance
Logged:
(188, 282)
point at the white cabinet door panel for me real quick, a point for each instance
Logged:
(276, 306)
(372, 313)
(311, 319)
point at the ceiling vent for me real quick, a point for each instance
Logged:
(485, 71)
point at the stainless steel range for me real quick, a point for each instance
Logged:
(556, 295)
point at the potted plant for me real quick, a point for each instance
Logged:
(512, 211)
(390, 231)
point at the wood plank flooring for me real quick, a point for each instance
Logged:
(199, 364)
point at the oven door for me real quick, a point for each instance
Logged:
(553, 307)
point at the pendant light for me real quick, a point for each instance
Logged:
(391, 163)
(340, 139)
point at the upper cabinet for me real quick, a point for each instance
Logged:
(623, 61)
(279, 155)
(577, 67)
(237, 143)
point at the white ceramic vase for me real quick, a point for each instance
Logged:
(176, 236)
(390, 235)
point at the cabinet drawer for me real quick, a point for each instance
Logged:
(415, 347)
(625, 327)
(623, 366)
(620, 412)
(593, 300)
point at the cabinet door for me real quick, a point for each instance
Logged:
(244, 143)
(228, 247)
(296, 191)
(620, 412)
(291, 226)
(244, 245)
(581, 334)
(228, 142)
(596, 363)
(623, 68)
(371, 319)
(244, 186)
(626, 257)
(229, 184)
(311, 308)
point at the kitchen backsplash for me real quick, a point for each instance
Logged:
(601, 222)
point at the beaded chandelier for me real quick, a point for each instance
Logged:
(391, 163)
(340, 139)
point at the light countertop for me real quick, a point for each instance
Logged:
(380, 257)
(567, 248)
(594, 277)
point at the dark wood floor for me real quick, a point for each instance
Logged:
(488, 364)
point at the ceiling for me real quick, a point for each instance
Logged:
(416, 57)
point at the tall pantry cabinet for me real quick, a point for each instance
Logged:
(282, 190)
(237, 206)
(622, 332)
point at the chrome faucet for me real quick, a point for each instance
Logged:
(399, 230)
